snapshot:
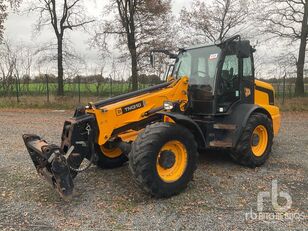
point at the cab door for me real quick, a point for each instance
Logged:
(235, 81)
(248, 80)
(228, 92)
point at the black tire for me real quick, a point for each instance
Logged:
(243, 153)
(144, 154)
(108, 163)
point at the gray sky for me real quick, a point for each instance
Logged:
(20, 29)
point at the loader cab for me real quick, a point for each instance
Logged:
(220, 76)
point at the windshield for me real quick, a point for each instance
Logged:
(199, 65)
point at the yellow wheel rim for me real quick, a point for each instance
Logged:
(111, 153)
(259, 140)
(171, 161)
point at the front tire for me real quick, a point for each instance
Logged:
(163, 159)
(110, 156)
(255, 143)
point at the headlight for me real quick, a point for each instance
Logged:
(168, 105)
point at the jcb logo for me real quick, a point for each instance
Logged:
(274, 196)
(247, 92)
(119, 111)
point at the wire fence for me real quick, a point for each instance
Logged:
(288, 90)
(80, 88)
(76, 87)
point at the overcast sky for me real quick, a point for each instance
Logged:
(20, 28)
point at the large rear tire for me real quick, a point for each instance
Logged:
(163, 159)
(255, 143)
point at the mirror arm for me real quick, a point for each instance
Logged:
(166, 52)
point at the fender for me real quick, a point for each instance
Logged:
(240, 115)
(189, 124)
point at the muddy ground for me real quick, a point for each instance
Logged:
(223, 195)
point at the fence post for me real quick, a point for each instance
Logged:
(17, 89)
(290, 90)
(110, 86)
(47, 87)
(79, 94)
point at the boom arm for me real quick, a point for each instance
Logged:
(112, 117)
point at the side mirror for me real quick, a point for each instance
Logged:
(243, 49)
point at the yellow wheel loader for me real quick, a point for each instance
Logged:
(210, 100)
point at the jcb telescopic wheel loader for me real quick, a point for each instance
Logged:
(210, 100)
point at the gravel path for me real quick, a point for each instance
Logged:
(220, 196)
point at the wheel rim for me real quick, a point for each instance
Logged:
(111, 153)
(171, 161)
(259, 140)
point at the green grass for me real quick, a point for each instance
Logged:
(34, 95)
(86, 89)
(40, 102)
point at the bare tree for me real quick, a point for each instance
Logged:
(99, 80)
(138, 24)
(3, 15)
(214, 20)
(8, 66)
(288, 19)
(4, 5)
(47, 55)
(61, 15)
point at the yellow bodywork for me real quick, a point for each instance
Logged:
(111, 117)
(262, 99)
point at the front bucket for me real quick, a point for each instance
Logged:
(51, 164)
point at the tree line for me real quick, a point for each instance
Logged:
(133, 27)
(41, 78)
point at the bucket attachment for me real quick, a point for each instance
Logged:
(51, 164)
(59, 165)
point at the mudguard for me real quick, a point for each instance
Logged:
(239, 116)
(189, 124)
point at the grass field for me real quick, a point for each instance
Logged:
(57, 103)
(103, 90)
(86, 89)
(69, 102)
(34, 95)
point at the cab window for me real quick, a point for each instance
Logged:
(231, 65)
(247, 68)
